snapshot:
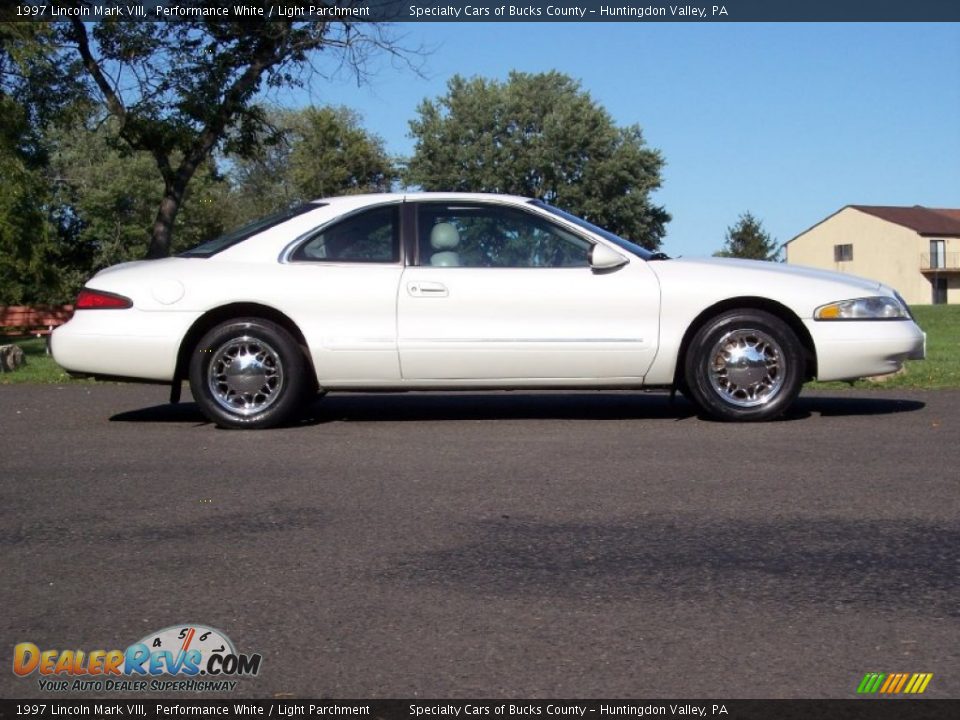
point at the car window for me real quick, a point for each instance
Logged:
(623, 243)
(218, 244)
(369, 236)
(465, 235)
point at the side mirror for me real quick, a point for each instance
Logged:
(603, 258)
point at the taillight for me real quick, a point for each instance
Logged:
(90, 299)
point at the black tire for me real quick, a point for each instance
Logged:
(272, 387)
(744, 365)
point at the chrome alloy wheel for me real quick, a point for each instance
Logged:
(747, 367)
(245, 375)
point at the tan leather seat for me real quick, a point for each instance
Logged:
(444, 239)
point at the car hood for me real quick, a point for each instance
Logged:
(697, 283)
(775, 270)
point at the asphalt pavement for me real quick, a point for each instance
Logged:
(605, 545)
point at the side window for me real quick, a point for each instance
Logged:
(488, 236)
(371, 236)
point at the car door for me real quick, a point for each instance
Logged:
(341, 282)
(500, 292)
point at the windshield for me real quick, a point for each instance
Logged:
(212, 247)
(630, 247)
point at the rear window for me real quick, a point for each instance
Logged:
(218, 244)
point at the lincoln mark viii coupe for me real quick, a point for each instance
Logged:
(433, 291)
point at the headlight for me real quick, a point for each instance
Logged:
(869, 308)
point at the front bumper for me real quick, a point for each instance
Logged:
(847, 350)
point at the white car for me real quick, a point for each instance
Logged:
(434, 291)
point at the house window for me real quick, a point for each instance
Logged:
(843, 253)
(938, 258)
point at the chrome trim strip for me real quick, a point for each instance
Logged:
(523, 340)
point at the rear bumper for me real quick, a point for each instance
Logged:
(847, 350)
(122, 343)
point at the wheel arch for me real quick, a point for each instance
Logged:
(223, 313)
(748, 302)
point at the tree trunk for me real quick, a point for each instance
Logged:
(161, 238)
(162, 234)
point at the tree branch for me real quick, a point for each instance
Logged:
(114, 102)
(233, 99)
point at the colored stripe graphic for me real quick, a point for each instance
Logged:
(870, 683)
(918, 683)
(894, 683)
(891, 681)
(900, 683)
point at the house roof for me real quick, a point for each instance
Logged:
(955, 214)
(925, 221)
(922, 220)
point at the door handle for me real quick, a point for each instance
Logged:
(427, 289)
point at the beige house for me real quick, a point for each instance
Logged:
(915, 250)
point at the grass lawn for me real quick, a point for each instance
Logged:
(39, 367)
(941, 369)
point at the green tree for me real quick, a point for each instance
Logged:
(181, 90)
(331, 153)
(748, 239)
(35, 229)
(318, 152)
(107, 195)
(107, 198)
(27, 235)
(542, 136)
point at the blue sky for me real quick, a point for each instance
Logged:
(788, 121)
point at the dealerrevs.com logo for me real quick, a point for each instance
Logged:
(187, 657)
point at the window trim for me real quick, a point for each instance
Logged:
(522, 209)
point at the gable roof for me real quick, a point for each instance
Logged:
(922, 220)
(925, 221)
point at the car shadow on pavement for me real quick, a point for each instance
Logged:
(516, 405)
(393, 407)
(183, 412)
(842, 405)
(584, 405)
(500, 405)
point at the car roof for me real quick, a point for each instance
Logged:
(372, 198)
(267, 244)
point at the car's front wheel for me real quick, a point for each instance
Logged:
(248, 373)
(744, 365)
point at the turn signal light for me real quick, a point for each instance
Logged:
(90, 299)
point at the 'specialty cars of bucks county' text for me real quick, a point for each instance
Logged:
(466, 291)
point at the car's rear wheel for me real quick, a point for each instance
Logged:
(248, 373)
(744, 365)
